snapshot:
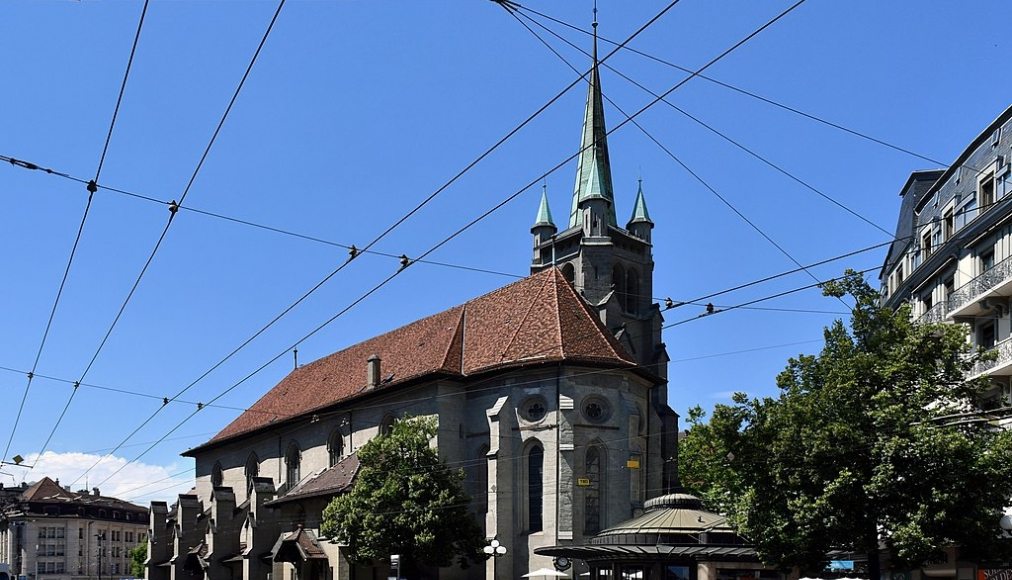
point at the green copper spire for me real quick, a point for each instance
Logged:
(544, 212)
(593, 173)
(640, 213)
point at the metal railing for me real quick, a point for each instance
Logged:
(1004, 356)
(937, 313)
(971, 290)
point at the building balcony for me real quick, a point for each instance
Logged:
(937, 313)
(969, 299)
(1000, 366)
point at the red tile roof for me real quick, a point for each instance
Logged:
(535, 320)
(333, 480)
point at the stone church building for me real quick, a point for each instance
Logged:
(551, 392)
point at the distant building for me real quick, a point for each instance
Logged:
(49, 532)
(952, 258)
(551, 392)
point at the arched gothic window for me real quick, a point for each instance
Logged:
(252, 470)
(592, 492)
(535, 488)
(632, 289)
(569, 273)
(335, 447)
(216, 475)
(387, 424)
(293, 460)
(618, 284)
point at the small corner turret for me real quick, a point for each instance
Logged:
(640, 224)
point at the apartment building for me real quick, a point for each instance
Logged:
(49, 532)
(952, 256)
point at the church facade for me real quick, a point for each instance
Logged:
(551, 392)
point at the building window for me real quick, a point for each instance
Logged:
(986, 260)
(387, 424)
(592, 492)
(596, 409)
(535, 488)
(926, 248)
(293, 459)
(948, 225)
(632, 289)
(252, 470)
(986, 335)
(216, 475)
(569, 273)
(618, 281)
(335, 447)
(533, 409)
(986, 191)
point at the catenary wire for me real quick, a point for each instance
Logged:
(698, 121)
(91, 188)
(748, 93)
(481, 217)
(168, 224)
(408, 215)
(666, 150)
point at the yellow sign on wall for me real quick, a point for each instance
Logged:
(583, 481)
(633, 463)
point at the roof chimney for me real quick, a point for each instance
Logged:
(372, 375)
(94, 491)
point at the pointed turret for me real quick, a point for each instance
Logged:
(544, 217)
(544, 231)
(640, 223)
(593, 173)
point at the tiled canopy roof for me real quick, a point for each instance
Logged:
(535, 320)
(333, 480)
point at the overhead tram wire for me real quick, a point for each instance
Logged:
(354, 252)
(697, 120)
(322, 241)
(478, 219)
(91, 188)
(748, 93)
(666, 150)
(172, 213)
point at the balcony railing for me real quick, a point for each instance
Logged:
(1004, 357)
(937, 313)
(981, 284)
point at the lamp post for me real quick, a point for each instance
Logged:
(496, 550)
(100, 536)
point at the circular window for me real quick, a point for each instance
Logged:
(534, 409)
(596, 409)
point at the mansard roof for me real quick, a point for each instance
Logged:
(537, 320)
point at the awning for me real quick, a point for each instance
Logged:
(297, 547)
(696, 552)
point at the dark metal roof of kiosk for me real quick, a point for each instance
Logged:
(673, 526)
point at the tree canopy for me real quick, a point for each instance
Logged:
(138, 555)
(405, 501)
(877, 440)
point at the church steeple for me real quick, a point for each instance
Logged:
(593, 173)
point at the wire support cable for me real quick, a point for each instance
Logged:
(173, 208)
(751, 94)
(91, 188)
(685, 167)
(695, 119)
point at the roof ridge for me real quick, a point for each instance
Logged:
(616, 347)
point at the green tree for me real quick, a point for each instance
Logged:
(405, 501)
(138, 555)
(874, 440)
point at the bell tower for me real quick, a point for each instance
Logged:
(610, 266)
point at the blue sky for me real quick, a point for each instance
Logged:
(356, 111)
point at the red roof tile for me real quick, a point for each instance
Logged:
(538, 319)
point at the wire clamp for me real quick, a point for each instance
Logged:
(173, 207)
(353, 252)
(92, 186)
(165, 401)
(405, 261)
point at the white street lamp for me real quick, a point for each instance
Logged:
(496, 550)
